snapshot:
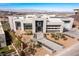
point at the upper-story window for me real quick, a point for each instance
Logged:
(53, 25)
(51, 17)
(24, 17)
(67, 21)
(17, 17)
(39, 16)
(30, 17)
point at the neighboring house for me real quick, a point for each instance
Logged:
(2, 37)
(40, 23)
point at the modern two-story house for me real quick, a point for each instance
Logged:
(40, 23)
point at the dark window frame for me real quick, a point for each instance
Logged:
(27, 26)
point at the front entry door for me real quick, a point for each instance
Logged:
(39, 26)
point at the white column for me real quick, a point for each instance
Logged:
(22, 26)
(44, 26)
(3, 44)
(71, 23)
(33, 26)
(14, 26)
(11, 22)
(62, 27)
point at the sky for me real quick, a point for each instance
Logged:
(41, 6)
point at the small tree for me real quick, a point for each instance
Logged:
(22, 53)
(31, 47)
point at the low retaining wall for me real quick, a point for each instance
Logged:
(50, 51)
(51, 45)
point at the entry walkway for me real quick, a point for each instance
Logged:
(51, 45)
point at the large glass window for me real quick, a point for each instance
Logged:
(39, 26)
(18, 25)
(27, 26)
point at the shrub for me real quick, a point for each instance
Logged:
(38, 45)
(29, 33)
(65, 38)
(56, 38)
(5, 50)
(52, 35)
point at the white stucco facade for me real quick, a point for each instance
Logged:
(46, 23)
(2, 37)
